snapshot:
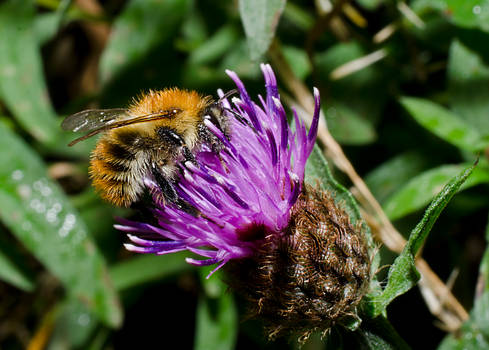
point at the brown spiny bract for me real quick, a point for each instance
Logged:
(312, 275)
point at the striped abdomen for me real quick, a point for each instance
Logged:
(118, 166)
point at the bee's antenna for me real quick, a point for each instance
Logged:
(227, 94)
(239, 118)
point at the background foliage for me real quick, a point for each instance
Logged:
(405, 91)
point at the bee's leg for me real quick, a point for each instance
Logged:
(165, 185)
(239, 118)
(170, 194)
(188, 155)
(170, 136)
(188, 208)
(144, 207)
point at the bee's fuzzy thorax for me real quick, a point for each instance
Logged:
(155, 101)
(191, 105)
(311, 276)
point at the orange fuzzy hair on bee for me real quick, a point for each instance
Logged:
(156, 101)
(190, 103)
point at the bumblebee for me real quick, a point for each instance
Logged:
(148, 139)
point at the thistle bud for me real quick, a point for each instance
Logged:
(312, 275)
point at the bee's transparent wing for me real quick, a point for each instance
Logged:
(92, 119)
(108, 119)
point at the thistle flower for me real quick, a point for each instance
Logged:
(243, 193)
(288, 248)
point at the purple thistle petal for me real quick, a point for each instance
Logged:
(218, 133)
(170, 251)
(246, 99)
(203, 252)
(217, 268)
(125, 228)
(254, 179)
(224, 101)
(160, 244)
(273, 147)
(206, 262)
(140, 227)
(295, 192)
(234, 196)
(284, 126)
(313, 130)
(270, 82)
(208, 198)
(138, 249)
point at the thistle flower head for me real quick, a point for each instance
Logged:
(288, 248)
(242, 193)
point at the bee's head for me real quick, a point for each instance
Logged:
(218, 113)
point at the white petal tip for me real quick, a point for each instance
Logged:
(130, 247)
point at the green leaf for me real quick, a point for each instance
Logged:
(141, 27)
(484, 267)
(373, 334)
(370, 4)
(469, 13)
(347, 126)
(42, 218)
(214, 47)
(216, 328)
(421, 189)
(260, 19)
(217, 316)
(403, 274)
(46, 26)
(298, 16)
(238, 61)
(471, 343)
(145, 268)
(22, 86)
(474, 333)
(391, 175)
(74, 325)
(468, 80)
(298, 61)
(193, 31)
(480, 314)
(11, 273)
(378, 334)
(445, 124)
(402, 277)
(99, 340)
(464, 13)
